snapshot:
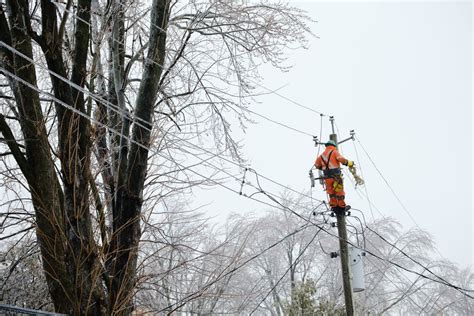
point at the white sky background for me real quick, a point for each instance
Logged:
(400, 75)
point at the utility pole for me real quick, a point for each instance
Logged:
(343, 249)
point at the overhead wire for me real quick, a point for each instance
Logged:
(386, 264)
(256, 83)
(443, 281)
(282, 207)
(187, 28)
(414, 260)
(364, 223)
(6, 72)
(189, 297)
(134, 119)
(290, 100)
(137, 120)
(387, 183)
(365, 186)
(78, 112)
(461, 290)
(379, 235)
(420, 275)
(243, 181)
(281, 124)
(397, 286)
(292, 264)
(391, 189)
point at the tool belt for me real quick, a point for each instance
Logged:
(331, 173)
(337, 176)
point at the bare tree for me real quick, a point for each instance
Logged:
(96, 95)
(22, 281)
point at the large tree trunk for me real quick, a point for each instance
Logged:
(126, 234)
(73, 271)
(37, 166)
(74, 153)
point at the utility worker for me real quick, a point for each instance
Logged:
(330, 162)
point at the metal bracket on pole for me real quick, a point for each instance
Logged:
(352, 133)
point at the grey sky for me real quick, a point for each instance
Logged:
(400, 74)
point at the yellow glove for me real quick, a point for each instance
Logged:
(350, 163)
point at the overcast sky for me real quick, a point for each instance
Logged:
(400, 75)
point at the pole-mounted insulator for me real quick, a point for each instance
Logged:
(316, 141)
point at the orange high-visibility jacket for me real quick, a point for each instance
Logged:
(335, 159)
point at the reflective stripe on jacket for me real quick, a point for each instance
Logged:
(335, 159)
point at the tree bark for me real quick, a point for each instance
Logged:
(127, 233)
(47, 196)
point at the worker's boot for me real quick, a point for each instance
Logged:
(341, 210)
(337, 209)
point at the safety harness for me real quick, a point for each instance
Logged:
(335, 174)
(330, 173)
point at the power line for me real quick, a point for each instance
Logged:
(133, 118)
(124, 114)
(80, 113)
(201, 17)
(416, 261)
(365, 186)
(388, 184)
(369, 252)
(282, 207)
(386, 264)
(352, 244)
(191, 296)
(281, 124)
(392, 190)
(131, 140)
(443, 281)
(6, 72)
(289, 99)
(361, 145)
(243, 167)
(286, 272)
(396, 286)
(254, 82)
(96, 97)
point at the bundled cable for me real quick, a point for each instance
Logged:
(357, 178)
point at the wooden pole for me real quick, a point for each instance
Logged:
(343, 250)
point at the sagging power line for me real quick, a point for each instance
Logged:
(109, 128)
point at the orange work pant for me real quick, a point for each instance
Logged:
(336, 196)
